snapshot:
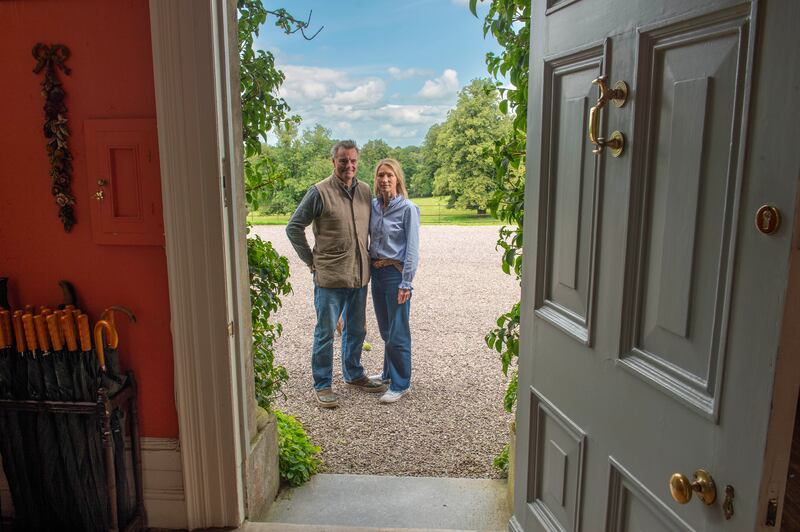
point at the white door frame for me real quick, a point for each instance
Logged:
(195, 123)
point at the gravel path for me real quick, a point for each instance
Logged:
(452, 423)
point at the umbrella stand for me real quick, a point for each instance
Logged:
(104, 408)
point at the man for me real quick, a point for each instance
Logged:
(338, 209)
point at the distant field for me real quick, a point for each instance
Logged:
(433, 211)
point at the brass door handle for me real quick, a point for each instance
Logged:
(618, 96)
(681, 488)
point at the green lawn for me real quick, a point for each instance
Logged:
(433, 211)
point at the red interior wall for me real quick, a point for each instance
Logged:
(112, 77)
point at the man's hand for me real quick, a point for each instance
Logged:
(403, 295)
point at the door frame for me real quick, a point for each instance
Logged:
(206, 257)
(777, 456)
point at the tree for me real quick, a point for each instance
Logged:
(464, 145)
(369, 155)
(299, 161)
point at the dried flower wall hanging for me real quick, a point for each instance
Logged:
(56, 131)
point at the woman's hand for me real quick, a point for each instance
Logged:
(403, 295)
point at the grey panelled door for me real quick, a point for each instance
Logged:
(651, 303)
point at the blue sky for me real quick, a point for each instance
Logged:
(384, 69)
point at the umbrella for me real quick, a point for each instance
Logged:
(55, 482)
(11, 441)
(88, 379)
(73, 442)
(8, 426)
(33, 432)
(113, 385)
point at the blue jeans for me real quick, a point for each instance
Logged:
(393, 325)
(330, 303)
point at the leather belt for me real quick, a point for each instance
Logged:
(382, 263)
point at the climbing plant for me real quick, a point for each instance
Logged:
(509, 22)
(262, 111)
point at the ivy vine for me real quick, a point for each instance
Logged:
(509, 22)
(56, 131)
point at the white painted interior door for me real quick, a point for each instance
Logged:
(652, 304)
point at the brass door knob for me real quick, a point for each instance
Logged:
(681, 488)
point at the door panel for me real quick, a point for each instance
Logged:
(651, 261)
(570, 196)
(632, 507)
(691, 79)
(555, 486)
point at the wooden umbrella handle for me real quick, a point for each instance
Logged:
(55, 332)
(41, 332)
(84, 333)
(5, 324)
(111, 336)
(59, 330)
(30, 331)
(19, 336)
(68, 326)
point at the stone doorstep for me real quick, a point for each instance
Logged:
(368, 503)
(286, 527)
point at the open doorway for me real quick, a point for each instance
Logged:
(453, 423)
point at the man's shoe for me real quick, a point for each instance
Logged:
(379, 377)
(392, 397)
(326, 398)
(366, 384)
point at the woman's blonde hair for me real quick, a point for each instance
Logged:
(398, 171)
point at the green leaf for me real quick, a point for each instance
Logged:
(473, 7)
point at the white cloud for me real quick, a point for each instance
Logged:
(345, 128)
(344, 111)
(444, 86)
(397, 132)
(312, 83)
(367, 93)
(399, 73)
(412, 114)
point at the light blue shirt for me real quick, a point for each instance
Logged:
(394, 234)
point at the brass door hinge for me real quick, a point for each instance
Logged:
(230, 328)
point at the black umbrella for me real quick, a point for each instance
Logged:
(87, 372)
(58, 387)
(113, 383)
(34, 429)
(8, 426)
(11, 440)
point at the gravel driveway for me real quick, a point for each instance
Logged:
(452, 423)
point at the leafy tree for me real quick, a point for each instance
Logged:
(464, 144)
(422, 181)
(369, 155)
(300, 160)
(410, 158)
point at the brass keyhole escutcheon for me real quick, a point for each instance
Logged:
(727, 504)
(99, 195)
(703, 485)
(768, 219)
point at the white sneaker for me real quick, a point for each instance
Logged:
(379, 377)
(392, 397)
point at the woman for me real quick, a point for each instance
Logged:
(394, 254)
